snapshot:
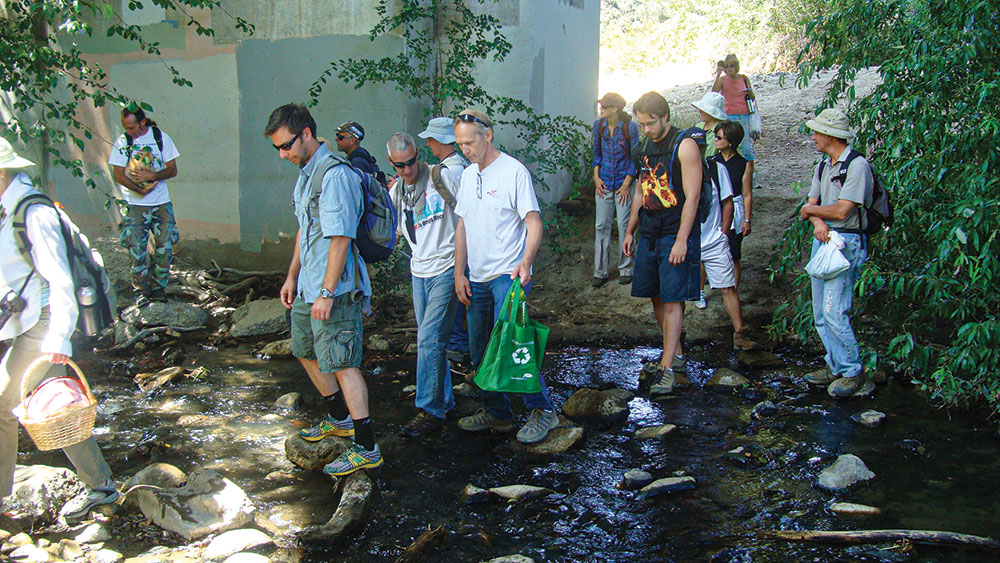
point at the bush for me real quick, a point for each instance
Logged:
(929, 128)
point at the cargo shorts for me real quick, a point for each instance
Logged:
(335, 342)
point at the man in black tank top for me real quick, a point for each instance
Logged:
(664, 211)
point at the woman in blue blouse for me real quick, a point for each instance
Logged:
(614, 135)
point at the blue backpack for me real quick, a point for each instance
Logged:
(376, 235)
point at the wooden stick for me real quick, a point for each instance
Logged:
(401, 329)
(263, 273)
(240, 286)
(873, 536)
(426, 542)
(150, 331)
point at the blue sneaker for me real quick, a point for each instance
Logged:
(329, 426)
(354, 458)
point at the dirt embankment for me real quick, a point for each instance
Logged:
(578, 313)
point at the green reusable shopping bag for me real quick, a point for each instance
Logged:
(513, 360)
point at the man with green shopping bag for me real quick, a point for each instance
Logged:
(498, 234)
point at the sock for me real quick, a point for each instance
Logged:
(336, 406)
(364, 436)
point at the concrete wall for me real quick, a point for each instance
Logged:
(233, 193)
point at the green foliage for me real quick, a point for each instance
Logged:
(46, 78)
(445, 41)
(930, 129)
(640, 34)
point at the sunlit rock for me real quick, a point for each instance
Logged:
(235, 541)
(852, 509)
(208, 503)
(107, 556)
(846, 471)
(725, 377)
(280, 349)
(30, 554)
(521, 492)
(869, 418)
(654, 431)
(171, 313)
(667, 485)
(511, 559)
(289, 401)
(313, 456)
(635, 479)
(246, 558)
(259, 318)
(472, 494)
(599, 407)
(93, 533)
(284, 521)
(40, 492)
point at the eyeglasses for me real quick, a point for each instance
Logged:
(402, 165)
(469, 118)
(479, 186)
(341, 136)
(288, 146)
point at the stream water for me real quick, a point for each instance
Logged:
(935, 470)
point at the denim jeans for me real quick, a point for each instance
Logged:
(831, 300)
(434, 303)
(459, 340)
(487, 300)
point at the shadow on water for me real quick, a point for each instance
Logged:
(934, 471)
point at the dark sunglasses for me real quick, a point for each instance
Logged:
(402, 165)
(469, 118)
(341, 136)
(287, 146)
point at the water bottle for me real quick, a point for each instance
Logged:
(86, 299)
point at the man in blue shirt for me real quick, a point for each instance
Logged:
(327, 286)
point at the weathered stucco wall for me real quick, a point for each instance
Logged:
(233, 192)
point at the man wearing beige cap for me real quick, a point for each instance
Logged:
(841, 188)
(40, 314)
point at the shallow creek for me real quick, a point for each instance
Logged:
(935, 470)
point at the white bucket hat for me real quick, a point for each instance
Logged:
(832, 122)
(9, 158)
(441, 129)
(712, 103)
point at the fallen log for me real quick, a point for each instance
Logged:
(150, 331)
(873, 536)
(240, 286)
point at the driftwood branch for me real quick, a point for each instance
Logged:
(874, 536)
(149, 332)
(401, 329)
(240, 286)
(426, 542)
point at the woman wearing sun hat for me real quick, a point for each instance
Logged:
(40, 326)
(614, 135)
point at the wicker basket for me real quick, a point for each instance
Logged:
(71, 425)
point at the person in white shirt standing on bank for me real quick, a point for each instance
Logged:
(148, 210)
(499, 232)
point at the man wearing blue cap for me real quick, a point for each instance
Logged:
(440, 137)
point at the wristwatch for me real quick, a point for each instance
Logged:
(325, 293)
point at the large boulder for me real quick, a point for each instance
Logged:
(39, 493)
(259, 318)
(846, 471)
(727, 378)
(171, 313)
(312, 456)
(598, 407)
(279, 349)
(352, 512)
(235, 541)
(208, 503)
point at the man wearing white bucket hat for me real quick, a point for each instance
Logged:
(440, 137)
(840, 189)
(43, 314)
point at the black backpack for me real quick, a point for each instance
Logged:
(879, 213)
(704, 202)
(157, 136)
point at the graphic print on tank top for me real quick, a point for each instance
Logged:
(657, 193)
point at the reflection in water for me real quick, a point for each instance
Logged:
(227, 421)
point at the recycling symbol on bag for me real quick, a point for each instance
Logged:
(521, 356)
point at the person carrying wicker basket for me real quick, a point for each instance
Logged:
(41, 313)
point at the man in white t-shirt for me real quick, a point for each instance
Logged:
(440, 138)
(498, 234)
(427, 221)
(142, 160)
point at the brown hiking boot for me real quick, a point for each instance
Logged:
(741, 342)
(821, 376)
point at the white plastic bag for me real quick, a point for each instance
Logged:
(829, 261)
(756, 126)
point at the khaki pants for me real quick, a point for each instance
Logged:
(86, 456)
